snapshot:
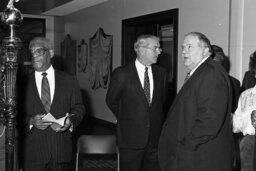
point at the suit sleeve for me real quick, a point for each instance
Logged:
(77, 106)
(23, 119)
(114, 93)
(212, 101)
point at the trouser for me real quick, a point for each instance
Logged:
(139, 159)
(50, 166)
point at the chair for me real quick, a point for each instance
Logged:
(97, 152)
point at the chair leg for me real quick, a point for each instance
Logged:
(118, 161)
(77, 157)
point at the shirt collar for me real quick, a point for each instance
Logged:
(49, 71)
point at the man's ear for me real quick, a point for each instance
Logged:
(51, 52)
(206, 51)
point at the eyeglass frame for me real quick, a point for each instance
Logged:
(36, 53)
(156, 48)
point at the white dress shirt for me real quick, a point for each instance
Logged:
(242, 116)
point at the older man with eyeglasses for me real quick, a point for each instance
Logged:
(48, 146)
(136, 96)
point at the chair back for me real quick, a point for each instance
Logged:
(97, 144)
(98, 151)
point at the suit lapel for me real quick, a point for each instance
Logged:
(34, 90)
(156, 81)
(57, 89)
(135, 81)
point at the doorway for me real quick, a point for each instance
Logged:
(164, 25)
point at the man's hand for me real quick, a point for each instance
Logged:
(39, 123)
(253, 118)
(62, 128)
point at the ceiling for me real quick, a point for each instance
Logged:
(50, 7)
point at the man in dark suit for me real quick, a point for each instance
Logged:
(136, 96)
(48, 147)
(197, 134)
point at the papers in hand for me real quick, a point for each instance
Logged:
(61, 121)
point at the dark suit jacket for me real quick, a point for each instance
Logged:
(136, 121)
(41, 145)
(236, 89)
(249, 80)
(197, 133)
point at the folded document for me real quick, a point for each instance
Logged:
(61, 121)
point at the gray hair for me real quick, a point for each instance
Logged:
(142, 41)
(202, 39)
(41, 42)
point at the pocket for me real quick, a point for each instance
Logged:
(186, 155)
(187, 160)
(170, 164)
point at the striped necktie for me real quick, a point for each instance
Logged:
(45, 93)
(147, 85)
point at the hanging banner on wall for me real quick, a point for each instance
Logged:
(82, 56)
(68, 53)
(100, 59)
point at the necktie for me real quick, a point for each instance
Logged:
(45, 93)
(187, 77)
(146, 85)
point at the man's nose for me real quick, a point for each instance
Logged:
(184, 50)
(34, 55)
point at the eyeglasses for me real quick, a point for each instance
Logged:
(39, 51)
(154, 49)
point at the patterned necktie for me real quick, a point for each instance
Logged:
(45, 93)
(147, 85)
(187, 77)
